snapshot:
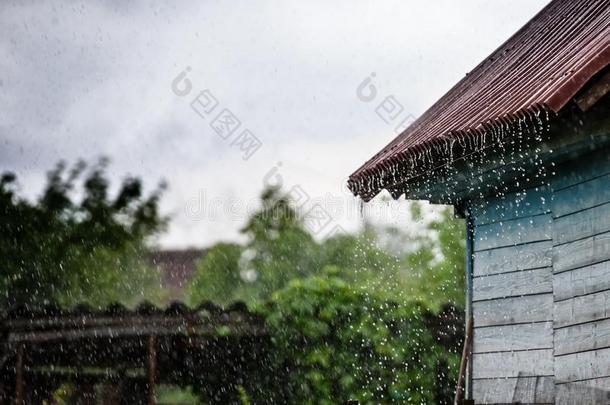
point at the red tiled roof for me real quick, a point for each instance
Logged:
(541, 67)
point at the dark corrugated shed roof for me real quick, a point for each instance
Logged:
(539, 69)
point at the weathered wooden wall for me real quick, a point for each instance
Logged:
(513, 298)
(541, 289)
(581, 279)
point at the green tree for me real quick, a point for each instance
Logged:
(436, 267)
(278, 249)
(333, 342)
(427, 265)
(218, 277)
(359, 316)
(77, 244)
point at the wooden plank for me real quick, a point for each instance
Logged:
(513, 337)
(507, 390)
(512, 258)
(582, 366)
(506, 311)
(584, 195)
(577, 171)
(584, 392)
(510, 364)
(580, 253)
(527, 203)
(590, 222)
(587, 308)
(582, 281)
(579, 338)
(514, 284)
(509, 233)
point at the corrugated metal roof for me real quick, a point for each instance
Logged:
(539, 68)
(24, 322)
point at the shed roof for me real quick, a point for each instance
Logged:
(539, 69)
(90, 341)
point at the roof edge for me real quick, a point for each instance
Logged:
(442, 151)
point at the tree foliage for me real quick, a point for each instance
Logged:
(76, 243)
(436, 266)
(334, 342)
(278, 250)
(427, 266)
(353, 316)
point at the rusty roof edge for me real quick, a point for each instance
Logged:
(366, 184)
(495, 54)
(556, 102)
(554, 78)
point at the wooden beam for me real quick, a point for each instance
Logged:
(19, 378)
(595, 92)
(151, 368)
(125, 331)
(466, 353)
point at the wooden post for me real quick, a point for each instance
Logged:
(19, 378)
(86, 388)
(151, 366)
(465, 360)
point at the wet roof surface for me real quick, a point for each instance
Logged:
(541, 67)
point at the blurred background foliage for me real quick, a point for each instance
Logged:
(75, 243)
(426, 266)
(348, 314)
(374, 316)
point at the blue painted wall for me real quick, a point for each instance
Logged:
(541, 288)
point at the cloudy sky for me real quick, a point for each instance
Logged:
(83, 80)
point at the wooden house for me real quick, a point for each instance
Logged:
(521, 148)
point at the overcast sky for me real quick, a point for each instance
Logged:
(82, 80)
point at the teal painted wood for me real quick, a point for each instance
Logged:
(587, 194)
(582, 224)
(587, 308)
(583, 392)
(525, 336)
(582, 281)
(509, 311)
(577, 171)
(583, 366)
(582, 337)
(539, 390)
(509, 233)
(527, 203)
(512, 258)
(541, 283)
(514, 284)
(511, 364)
(512, 296)
(582, 252)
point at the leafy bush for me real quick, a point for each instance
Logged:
(333, 342)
